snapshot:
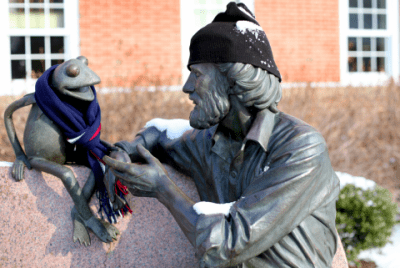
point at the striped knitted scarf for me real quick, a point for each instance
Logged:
(81, 126)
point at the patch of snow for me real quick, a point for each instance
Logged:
(247, 13)
(360, 182)
(388, 256)
(174, 127)
(243, 26)
(209, 208)
(5, 164)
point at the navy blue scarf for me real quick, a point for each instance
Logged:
(73, 122)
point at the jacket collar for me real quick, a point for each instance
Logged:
(260, 132)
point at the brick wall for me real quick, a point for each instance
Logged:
(132, 42)
(304, 36)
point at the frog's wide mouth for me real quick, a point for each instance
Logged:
(82, 93)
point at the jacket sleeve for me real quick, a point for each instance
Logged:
(179, 151)
(299, 180)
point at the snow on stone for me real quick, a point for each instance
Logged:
(388, 256)
(209, 208)
(360, 182)
(174, 127)
(244, 26)
(5, 164)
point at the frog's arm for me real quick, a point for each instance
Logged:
(12, 134)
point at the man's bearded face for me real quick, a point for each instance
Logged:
(207, 88)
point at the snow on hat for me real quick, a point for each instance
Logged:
(233, 36)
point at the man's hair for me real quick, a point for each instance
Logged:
(253, 86)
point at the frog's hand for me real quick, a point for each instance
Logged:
(19, 166)
(22, 160)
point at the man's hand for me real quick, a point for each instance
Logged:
(110, 179)
(142, 179)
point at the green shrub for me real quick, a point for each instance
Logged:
(364, 219)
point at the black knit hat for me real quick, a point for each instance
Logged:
(233, 36)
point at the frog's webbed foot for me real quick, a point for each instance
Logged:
(18, 169)
(111, 229)
(80, 232)
(104, 231)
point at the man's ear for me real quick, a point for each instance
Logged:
(231, 83)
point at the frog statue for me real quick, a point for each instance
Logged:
(63, 127)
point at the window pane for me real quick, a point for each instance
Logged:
(366, 64)
(366, 44)
(367, 21)
(37, 68)
(380, 44)
(37, 45)
(367, 3)
(36, 1)
(17, 69)
(381, 64)
(352, 44)
(54, 62)
(353, 3)
(37, 18)
(57, 44)
(352, 64)
(381, 21)
(16, 1)
(17, 18)
(381, 4)
(56, 18)
(17, 44)
(353, 21)
(56, 1)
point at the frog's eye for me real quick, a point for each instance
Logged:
(83, 59)
(73, 70)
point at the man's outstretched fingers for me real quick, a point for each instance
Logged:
(145, 153)
(115, 164)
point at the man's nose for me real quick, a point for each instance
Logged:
(188, 87)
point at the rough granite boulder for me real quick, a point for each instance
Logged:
(36, 228)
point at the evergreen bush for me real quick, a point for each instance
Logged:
(364, 219)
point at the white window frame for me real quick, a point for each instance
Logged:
(391, 35)
(189, 26)
(70, 32)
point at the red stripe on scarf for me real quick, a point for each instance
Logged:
(96, 133)
(98, 158)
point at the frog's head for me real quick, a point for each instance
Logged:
(73, 78)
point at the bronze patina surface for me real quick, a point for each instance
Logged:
(47, 149)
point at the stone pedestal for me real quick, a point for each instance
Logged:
(36, 228)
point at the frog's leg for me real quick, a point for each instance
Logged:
(71, 184)
(80, 232)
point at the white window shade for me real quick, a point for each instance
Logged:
(369, 41)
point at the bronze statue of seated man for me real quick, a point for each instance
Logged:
(265, 179)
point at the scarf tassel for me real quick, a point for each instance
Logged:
(106, 207)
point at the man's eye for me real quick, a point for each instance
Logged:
(196, 74)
